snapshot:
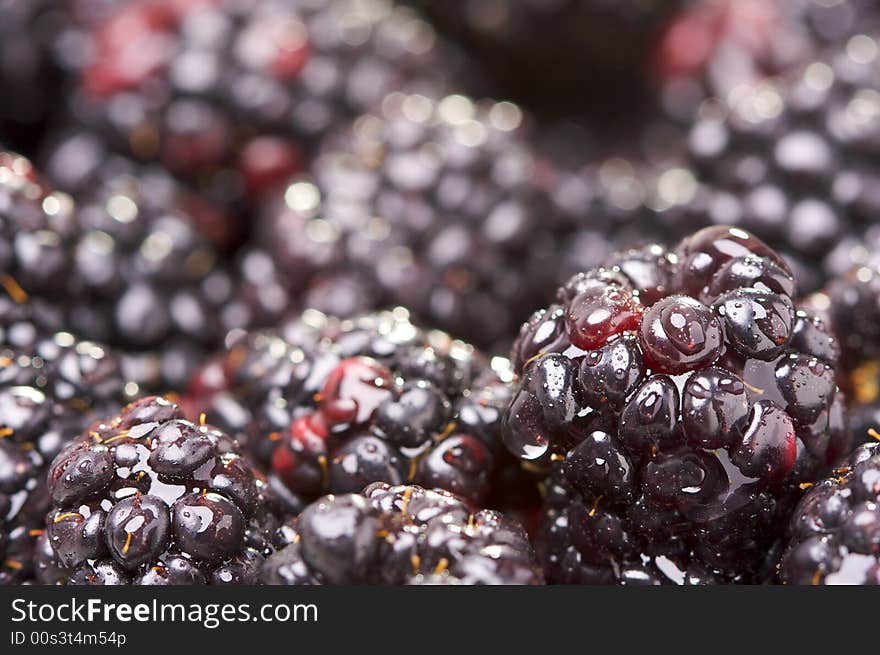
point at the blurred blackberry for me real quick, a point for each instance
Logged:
(795, 160)
(713, 48)
(151, 498)
(616, 204)
(233, 289)
(436, 205)
(458, 210)
(835, 530)
(560, 57)
(330, 406)
(51, 388)
(399, 534)
(850, 304)
(216, 88)
(128, 265)
(678, 400)
(79, 162)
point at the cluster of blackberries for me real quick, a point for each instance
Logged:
(402, 535)
(264, 263)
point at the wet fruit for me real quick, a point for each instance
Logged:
(677, 429)
(402, 535)
(150, 498)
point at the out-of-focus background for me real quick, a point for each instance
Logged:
(459, 158)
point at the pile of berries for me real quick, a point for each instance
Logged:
(390, 292)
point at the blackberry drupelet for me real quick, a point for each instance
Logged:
(678, 400)
(51, 388)
(81, 163)
(433, 204)
(835, 530)
(330, 406)
(793, 160)
(230, 92)
(400, 534)
(151, 498)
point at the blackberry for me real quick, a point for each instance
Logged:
(618, 204)
(80, 163)
(677, 402)
(128, 266)
(711, 49)
(793, 160)
(234, 92)
(835, 530)
(151, 498)
(457, 210)
(562, 58)
(51, 388)
(433, 204)
(330, 406)
(400, 534)
(850, 304)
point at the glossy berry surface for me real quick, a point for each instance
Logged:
(677, 434)
(399, 534)
(150, 498)
(330, 405)
(835, 530)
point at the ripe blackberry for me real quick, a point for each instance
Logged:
(151, 498)
(835, 530)
(332, 405)
(214, 88)
(678, 401)
(51, 388)
(435, 205)
(400, 534)
(850, 303)
(128, 265)
(560, 57)
(793, 160)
